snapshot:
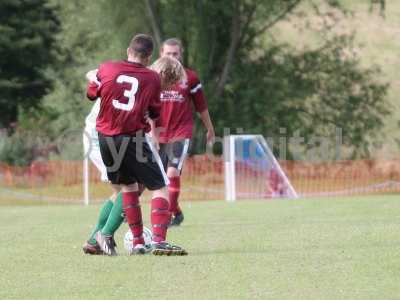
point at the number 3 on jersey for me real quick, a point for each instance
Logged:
(130, 94)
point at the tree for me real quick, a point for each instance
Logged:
(251, 80)
(91, 32)
(310, 93)
(27, 47)
(248, 88)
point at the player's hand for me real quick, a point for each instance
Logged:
(154, 139)
(91, 76)
(210, 136)
(153, 131)
(156, 143)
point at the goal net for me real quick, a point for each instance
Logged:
(251, 170)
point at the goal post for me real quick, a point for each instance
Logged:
(252, 171)
(85, 169)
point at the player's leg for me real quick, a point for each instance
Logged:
(133, 213)
(160, 219)
(91, 247)
(105, 238)
(177, 153)
(160, 215)
(91, 145)
(115, 217)
(105, 212)
(152, 175)
(126, 176)
(174, 189)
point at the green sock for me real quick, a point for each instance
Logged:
(103, 216)
(115, 219)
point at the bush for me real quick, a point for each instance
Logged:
(19, 148)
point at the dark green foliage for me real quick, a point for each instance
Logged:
(311, 92)
(27, 48)
(17, 149)
(259, 88)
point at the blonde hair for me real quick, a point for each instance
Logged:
(170, 70)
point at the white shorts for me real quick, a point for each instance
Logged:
(92, 151)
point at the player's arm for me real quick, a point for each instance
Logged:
(205, 118)
(154, 133)
(93, 86)
(91, 76)
(154, 110)
(201, 107)
(155, 102)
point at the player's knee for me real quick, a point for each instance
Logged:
(161, 193)
(116, 189)
(173, 172)
(141, 188)
(130, 188)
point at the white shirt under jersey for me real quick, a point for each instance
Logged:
(91, 140)
(90, 121)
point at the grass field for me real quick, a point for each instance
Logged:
(329, 248)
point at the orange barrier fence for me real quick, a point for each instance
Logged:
(203, 179)
(352, 177)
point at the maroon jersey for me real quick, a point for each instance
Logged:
(176, 118)
(127, 91)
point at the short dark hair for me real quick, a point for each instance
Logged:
(173, 42)
(142, 45)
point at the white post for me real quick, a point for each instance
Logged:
(85, 180)
(232, 167)
(226, 168)
(229, 168)
(85, 171)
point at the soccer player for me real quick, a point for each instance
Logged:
(111, 213)
(110, 216)
(129, 93)
(176, 124)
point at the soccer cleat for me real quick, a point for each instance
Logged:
(92, 249)
(140, 249)
(106, 243)
(164, 248)
(113, 241)
(177, 220)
